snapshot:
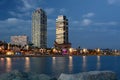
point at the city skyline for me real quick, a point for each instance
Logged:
(92, 24)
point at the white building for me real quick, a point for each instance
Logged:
(62, 39)
(19, 40)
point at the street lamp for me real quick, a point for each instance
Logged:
(70, 50)
(54, 50)
(84, 50)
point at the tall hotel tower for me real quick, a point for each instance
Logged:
(62, 40)
(39, 28)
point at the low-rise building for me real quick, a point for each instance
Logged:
(21, 40)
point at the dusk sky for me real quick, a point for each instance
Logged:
(92, 23)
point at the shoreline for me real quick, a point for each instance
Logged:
(3, 56)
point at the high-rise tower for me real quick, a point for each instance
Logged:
(39, 28)
(62, 40)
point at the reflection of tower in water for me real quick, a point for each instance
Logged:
(98, 62)
(84, 63)
(2, 61)
(54, 63)
(8, 64)
(27, 64)
(70, 63)
(54, 60)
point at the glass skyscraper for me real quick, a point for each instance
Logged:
(39, 28)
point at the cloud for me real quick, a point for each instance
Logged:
(15, 21)
(20, 15)
(113, 1)
(88, 15)
(14, 26)
(12, 21)
(29, 5)
(86, 22)
(50, 21)
(49, 10)
(113, 23)
(75, 23)
(110, 26)
(26, 7)
(62, 11)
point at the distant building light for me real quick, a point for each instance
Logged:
(70, 50)
(98, 50)
(85, 50)
(10, 53)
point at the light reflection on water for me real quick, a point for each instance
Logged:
(58, 65)
(54, 64)
(27, 64)
(84, 60)
(8, 64)
(2, 59)
(2, 62)
(98, 63)
(70, 64)
(53, 60)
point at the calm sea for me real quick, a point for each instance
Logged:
(54, 66)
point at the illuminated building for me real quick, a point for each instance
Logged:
(39, 28)
(19, 40)
(62, 40)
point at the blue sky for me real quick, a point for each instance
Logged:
(92, 23)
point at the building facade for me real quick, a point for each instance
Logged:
(62, 39)
(21, 40)
(39, 28)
